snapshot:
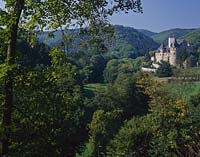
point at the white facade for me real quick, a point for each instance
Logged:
(167, 54)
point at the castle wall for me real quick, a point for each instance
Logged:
(169, 53)
(148, 69)
(172, 59)
(162, 57)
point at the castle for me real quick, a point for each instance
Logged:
(169, 53)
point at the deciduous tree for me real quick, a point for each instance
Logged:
(49, 14)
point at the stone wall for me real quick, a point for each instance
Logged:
(172, 59)
(162, 57)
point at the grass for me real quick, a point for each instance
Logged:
(161, 79)
(182, 90)
(190, 72)
(91, 89)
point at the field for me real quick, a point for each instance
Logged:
(182, 90)
(190, 72)
(175, 89)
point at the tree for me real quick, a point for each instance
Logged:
(123, 95)
(115, 67)
(32, 56)
(103, 127)
(169, 129)
(35, 15)
(133, 139)
(49, 111)
(165, 70)
(98, 64)
(195, 100)
(181, 55)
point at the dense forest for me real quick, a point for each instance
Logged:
(163, 36)
(81, 93)
(126, 42)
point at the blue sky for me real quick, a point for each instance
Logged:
(1, 3)
(161, 15)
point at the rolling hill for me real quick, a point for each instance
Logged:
(194, 39)
(193, 36)
(147, 32)
(127, 42)
(163, 36)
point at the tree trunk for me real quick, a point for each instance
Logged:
(11, 51)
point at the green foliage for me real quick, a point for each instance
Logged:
(194, 40)
(181, 55)
(48, 111)
(88, 150)
(97, 63)
(91, 66)
(164, 70)
(130, 43)
(195, 99)
(46, 115)
(28, 56)
(2, 45)
(116, 67)
(173, 122)
(49, 108)
(189, 72)
(91, 89)
(112, 105)
(193, 36)
(163, 36)
(147, 32)
(132, 139)
(165, 131)
(183, 90)
(123, 95)
(102, 128)
(127, 42)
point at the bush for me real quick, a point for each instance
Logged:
(165, 70)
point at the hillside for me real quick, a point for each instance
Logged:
(163, 36)
(127, 42)
(147, 32)
(193, 37)
(131, 43)
(56, 39)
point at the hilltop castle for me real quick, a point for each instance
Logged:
(169, 53)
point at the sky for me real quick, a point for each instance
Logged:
(1, 3)
(160, 15)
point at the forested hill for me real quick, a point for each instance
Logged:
(131, 42)
(194, 39)
(193, 36)
(163, 36)
(55, 39)
(127, 42)
(147, 32)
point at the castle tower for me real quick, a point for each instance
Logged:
(173, 56)
(171, 41)
(173, 52)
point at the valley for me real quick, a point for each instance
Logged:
(78, 80)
